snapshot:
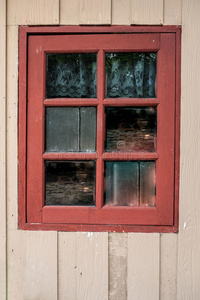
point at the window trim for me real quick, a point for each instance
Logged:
(49, 214)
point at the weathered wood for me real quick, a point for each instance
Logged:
(95, 12)
(69, 12)
(32, 265)
(143, 266)
(147, 12)
(168, 266)
(117, 252)
(189, 205)
(3, 149)
(12, 95)
(121, 12)
(33, 12)
(172, 12)
(83, 265)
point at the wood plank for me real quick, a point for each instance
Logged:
(21, 12)
(69, 12)
(12, 96)
(83, 265)
(117, 252)
(32, 265)
(168, 263)
(121, 12)
(189, 205)
(147, 12)
(95, 12)
(143, 266)
(172, 12)
(3, 149)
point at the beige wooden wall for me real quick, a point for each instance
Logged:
(100, 266)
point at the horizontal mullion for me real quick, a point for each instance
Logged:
(70, 156)
(71, 102)
(111, 156)
(131, 102)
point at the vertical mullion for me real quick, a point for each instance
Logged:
(100, 127)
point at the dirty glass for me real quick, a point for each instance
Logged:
(71, 129)
(71, 75)
(129, 183)
(70, 183)
(131, 129)
(131, 75)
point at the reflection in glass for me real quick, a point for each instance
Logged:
(147, 183)
(70, 183)
(71, 75)
(131, 129)
(70, 129)
(130, 183)
(131, 75)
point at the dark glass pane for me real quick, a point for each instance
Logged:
(147, 183)
(122, 183)
(131, 129)
(71, 75)
(130, 183)
(70, 129)
(131, 75)
(70, 183)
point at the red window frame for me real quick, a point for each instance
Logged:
(34, 43)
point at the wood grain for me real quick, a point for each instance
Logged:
(69, 12)
(117, 252)
(32, 265)
(189, 205)
(172, 12)
(147, 12)
(83, 266)
(12, 99)
(143, 266)
(33, 12)
(168, 266)
(119, 6)
(95, 12)
(3, 149)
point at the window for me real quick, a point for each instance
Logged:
(99, 128)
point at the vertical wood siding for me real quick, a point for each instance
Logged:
(189, 204)
(119, 18)
(147, 12)
(172, 12)
(3, 148)
(168, 266)
(118, 251)
(33, 12)
(95, 12)
(143, 266)
(83, 265)
(32, 265)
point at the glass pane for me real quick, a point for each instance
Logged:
(130, 183)
(121, 183)
(131, 129)
(87, 129)
(131, 75)
(70, 129)
(147, 183)
(71, 75)
(70, 183)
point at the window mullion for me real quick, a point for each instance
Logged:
(100, 127)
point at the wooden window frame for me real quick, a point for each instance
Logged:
(34, 42)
